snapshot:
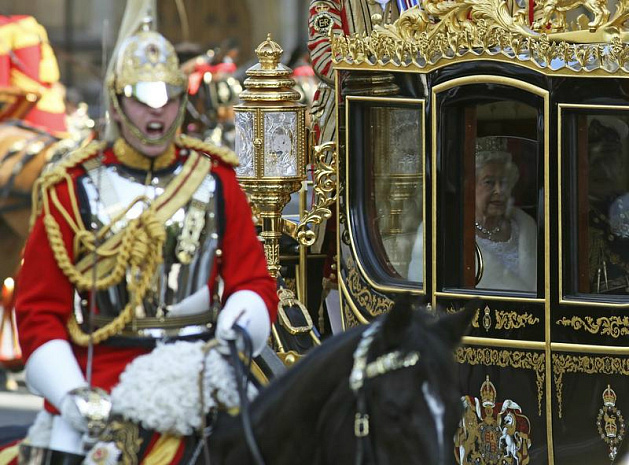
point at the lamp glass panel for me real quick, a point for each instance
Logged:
(280, 145)
(244, 147)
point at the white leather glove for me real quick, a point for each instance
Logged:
(247, 310)
(52, 372)
(194, 304)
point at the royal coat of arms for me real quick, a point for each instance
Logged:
(490, 432)
(610, 423)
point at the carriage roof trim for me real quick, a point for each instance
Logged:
(444, 33)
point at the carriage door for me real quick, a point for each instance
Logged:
(590, 358)
(488, 239)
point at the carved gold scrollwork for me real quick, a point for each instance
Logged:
(563, 363)
(350, 319)
(507, 358)
(514, 320)
(453, 29)
(615, 326)
(374, 303)
(324, 188)
(504, 319)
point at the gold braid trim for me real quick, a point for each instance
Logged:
(225, 154)
(137, 248)
(141, 247)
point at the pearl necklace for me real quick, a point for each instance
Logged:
(488, 232)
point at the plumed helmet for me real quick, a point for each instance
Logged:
(147, 68)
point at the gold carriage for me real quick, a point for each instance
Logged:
(544, 371)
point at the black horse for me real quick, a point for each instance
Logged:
(403, 410)
(382, 394)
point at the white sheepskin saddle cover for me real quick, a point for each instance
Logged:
(160, 390)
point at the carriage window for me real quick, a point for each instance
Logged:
(597, 145)
(387, 137)
(489, 190)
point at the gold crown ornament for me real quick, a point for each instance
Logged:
(488, 393)
(609, 397)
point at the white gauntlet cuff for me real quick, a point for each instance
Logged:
(247, 310)
(52, 371)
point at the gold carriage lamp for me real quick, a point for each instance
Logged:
(270, 142)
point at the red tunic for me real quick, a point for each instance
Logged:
(45, 295)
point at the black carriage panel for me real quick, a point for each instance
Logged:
(593, 206)
(501, 319)
(589, 407)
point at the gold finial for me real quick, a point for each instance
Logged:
(269, 53)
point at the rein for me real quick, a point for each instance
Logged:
(361, 372)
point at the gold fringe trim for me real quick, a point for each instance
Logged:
(132, 158)
(225, 154)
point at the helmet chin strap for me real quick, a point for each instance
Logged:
(137, 132)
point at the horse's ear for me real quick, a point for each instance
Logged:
(452, 327)
(398, 318)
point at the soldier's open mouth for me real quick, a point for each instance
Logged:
(154, 129)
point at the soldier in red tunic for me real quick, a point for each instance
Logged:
(135, 239)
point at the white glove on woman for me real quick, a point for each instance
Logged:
(247, 310)
(52, 372)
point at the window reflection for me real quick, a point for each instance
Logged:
(396, 145)
(603, 242)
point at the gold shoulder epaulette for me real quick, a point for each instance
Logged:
(60, 172)
(73, 159)
(225, 154)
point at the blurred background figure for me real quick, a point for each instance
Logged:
(32, 116)
(28, 63)
(213, 90)
(305, 78)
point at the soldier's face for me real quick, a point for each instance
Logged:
(152, 122)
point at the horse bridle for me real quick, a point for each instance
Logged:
(361, 372)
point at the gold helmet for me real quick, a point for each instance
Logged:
(147, 68)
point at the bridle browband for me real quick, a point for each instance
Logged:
(361, 372)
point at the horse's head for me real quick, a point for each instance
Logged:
(409, 388)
